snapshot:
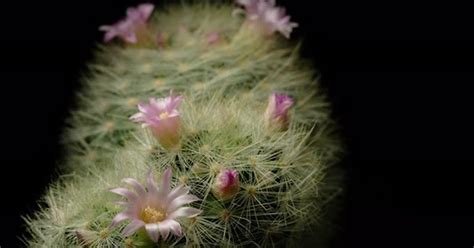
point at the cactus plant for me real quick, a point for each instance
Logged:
(248, 142)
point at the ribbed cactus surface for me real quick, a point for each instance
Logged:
(225, 72)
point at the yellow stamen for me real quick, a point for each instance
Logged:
(153, 215)
(164, 115)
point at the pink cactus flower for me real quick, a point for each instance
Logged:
(162, 118)
(266, 16)
(276, 114)
(154, 208)
(213, 38)
(226, 184)
(127, 28)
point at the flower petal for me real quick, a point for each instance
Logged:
(124, 192)
(151, 187)
(146, 9)
(175, 227)
(184, 212)
(137, 186)
(165, 182)
(132, 227)
(121, 203)
(172, 225)
(180, 201)
(174, 102)
(177, 191)
(119, 218)
(164, 229)
(153, 231)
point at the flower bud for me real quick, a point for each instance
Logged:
(226, 184)
(276, 115)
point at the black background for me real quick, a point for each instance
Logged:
(399, 74)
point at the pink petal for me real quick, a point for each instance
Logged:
(157, 106)
(118, 218)
(137, 117)
(173, 103)
(185, 212)
(146, 9)
(121, 203)
(142, 107)
(165, 182)
(153, 231)
(172, 225)
(124, 192)
(177, 191)
(132, 227)
(180, 201)
(151, 186)
(105, 28)
(164, 229)
(175, 227)
(137, 186)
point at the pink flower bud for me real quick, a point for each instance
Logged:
(226, 184)
(162, 118)
(276, 115)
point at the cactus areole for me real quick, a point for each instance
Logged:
(198, 126)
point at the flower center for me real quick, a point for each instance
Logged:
(153, 215)
(164, 115)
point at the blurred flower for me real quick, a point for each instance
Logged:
(161, 40)
(276, 114)
(226, 184)
(213, 38)
(162, 117)
(127, 28)
(266, 16)
(154, 208)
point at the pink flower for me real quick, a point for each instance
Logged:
(213, 38)
(226, 184)
(126, 29)
(154, 208)
(162, 117)
(265, 15)
(276, 114)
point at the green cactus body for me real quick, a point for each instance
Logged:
(287, 178)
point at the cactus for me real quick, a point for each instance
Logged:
(256, 185)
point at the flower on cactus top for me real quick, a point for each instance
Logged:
(268, 17)
(162, 117)
(226, 184)
(276, 114)
(126, 28)
(154, 208)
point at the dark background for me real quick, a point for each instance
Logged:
(399, 74)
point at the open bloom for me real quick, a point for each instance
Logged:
(266, 16)
(226, 184)
(154, 208)
(162, 117)
(127, 28)
(276, 114)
